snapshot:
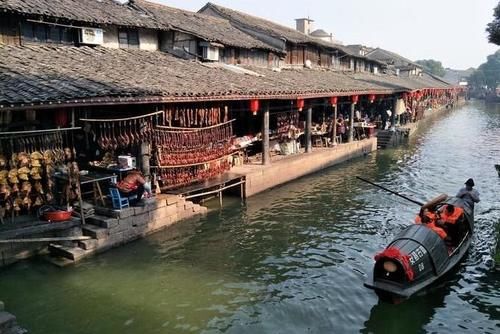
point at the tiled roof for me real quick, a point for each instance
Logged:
(390, 58)
(207, 27)
(71, 75)
(273, 29)
(90, 11)
(260, 24)
(137, 13)
(407, 83)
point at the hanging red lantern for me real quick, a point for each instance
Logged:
(354, 99)
(61, 118)
(333, 100)
(372, 97)
(300, 104)
(254, 106)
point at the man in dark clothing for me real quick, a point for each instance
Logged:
(468, 194)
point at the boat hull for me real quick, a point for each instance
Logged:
(418, 257)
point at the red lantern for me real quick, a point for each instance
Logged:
(333, 100)
(354, 99)
(371, 97)
(254, 106)
(300, 104)
(61, 118)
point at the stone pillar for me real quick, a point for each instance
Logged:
(334, 130)
(351, 123)
(265, 135)
(144, 155)
(394, 106)
(308, 130)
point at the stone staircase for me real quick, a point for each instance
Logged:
(388, 138)
(384, 138)
(112, 228)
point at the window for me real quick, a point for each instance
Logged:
(46, 33)
(128, 39)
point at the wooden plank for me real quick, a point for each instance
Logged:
(8, 241)
(40, 227)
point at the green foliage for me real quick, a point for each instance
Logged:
(493, 28)
(487, 74)
(433, 66)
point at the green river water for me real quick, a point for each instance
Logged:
(291, 260)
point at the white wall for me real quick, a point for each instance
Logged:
(148, 39)
(111, 37)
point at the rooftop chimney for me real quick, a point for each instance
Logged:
(304, 25)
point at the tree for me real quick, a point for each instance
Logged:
(487, 74)
(433, 66)
(493, 28)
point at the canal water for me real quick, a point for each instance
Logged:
(291, 260)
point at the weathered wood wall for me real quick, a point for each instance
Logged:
(9, 30)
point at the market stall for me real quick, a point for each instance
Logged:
(29, 162)
(120, 139)
(195, 145)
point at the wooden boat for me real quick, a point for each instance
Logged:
(418, 257)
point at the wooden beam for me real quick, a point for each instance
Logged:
(308, 129)
(8, 241)
(265, 135)
(351, 123)
(8, 232)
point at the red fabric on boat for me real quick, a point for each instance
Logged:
(404, 259)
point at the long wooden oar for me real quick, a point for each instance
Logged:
(392, 192)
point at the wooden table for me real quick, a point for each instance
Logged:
(114, 170)
(94, 179)
(318, 135)
(361, 131)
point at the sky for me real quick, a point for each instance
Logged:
(450, 31)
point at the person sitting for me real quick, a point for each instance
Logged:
(133, 184)
(430, 220)
(341, 128)
(451, 214)
(450, 218)
(468, 194)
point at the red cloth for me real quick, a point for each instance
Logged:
(126, 187)
(396, 254)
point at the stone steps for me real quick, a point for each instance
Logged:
(71, 253)
(95, 232)
(110, 228)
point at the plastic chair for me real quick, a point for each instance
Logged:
(116, 199)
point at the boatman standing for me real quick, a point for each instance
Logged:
(468, 194)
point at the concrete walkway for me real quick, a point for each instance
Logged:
(260, 178)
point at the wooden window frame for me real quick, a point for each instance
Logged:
(129, 39)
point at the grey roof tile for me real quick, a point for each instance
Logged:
(26, 76)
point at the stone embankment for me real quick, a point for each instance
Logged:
(112, 228)
(8, 322)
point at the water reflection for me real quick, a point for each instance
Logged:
(409, 317)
